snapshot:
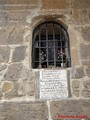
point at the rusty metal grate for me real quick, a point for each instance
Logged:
(50, 46)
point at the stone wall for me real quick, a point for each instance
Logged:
(18, 81)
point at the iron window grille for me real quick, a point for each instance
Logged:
(50, 46)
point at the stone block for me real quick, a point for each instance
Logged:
(86, 34)
(70, 107)
(76, 88)
(18, 17)
(77, 72)
(24, 110)
(76, 16)
(13, 72)
(86, 62)
(4, 54)
(87, 84)
(11, 35)
(85, 93)
(6, 86)
(85, 51)
(2, 67)
(19, 54)
(1, 94)
(75, 58)
(55, 4)
(12, 93)
(16, 2)
(31, 88)
(88, 71)
(79, 4)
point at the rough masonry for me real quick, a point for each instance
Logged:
(18, 81)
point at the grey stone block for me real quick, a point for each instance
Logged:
(1, 94)
(85, 51)
(19, 54)
(87, 84)
(85, 93)
(77, 73)
(24, 110)
(86, 33)
(88, 71)
(11, 35)
(13, 72)
(76, 88)
(70, 107)
(3, 67)
(4, 54)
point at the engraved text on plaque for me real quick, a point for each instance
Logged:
(53, 84)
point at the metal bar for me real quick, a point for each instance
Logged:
(68, 44)
(39, 48)
(54, 45)
(61, 38)
(33, 53)
(47, 43)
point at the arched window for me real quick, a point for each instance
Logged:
(50, 47)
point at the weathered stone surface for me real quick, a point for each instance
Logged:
(87, 84)
(13, 92)
(19, 54)
(6, 86)
(24, 110)
(13, 72)
(86, 62)
(3, 67)
(1, 94)
(88, 71)
(77, 73)
(18, 17)
(11, 35)
(76, 16)
(70, 107)
(54, 4)
(85, 93)
(31, 2)
(76, 88)
(81, 4)
(86, 34)
(4, 54)
(31, 88)
(75, 58)
(85, 51)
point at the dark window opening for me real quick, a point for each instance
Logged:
(50, 46)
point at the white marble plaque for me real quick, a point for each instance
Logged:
(53, 84)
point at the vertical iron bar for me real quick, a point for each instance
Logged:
(47, 44)
(54, 46)
(61, 47)
(39, 48)
(69, 56)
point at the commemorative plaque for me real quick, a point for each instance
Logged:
(53, 84)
